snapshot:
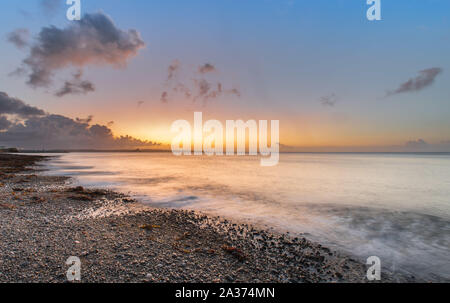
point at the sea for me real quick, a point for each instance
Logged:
(393, 206)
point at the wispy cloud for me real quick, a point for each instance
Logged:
(425, 78)
(173, 69)
(329, 100)
(164, 97)
(200, 89)
(419, 143)
(206, 68)
(19, 37)
(76, 86)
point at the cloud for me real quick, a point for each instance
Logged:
(20, 71)
(48, 131)
(206, 68)
(201, 89)
(420, 143)
(330, 100)
(76, 86)
(173, 69)
(164, 97)
(425, 78)
(206, 93)
(19, 37)
(56, 132)
(140, 103)
(13, 106)
(4, 123)
(87, 120)
(180, 87)
(94, 40)
(234, 91)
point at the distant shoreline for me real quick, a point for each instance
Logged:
(90, 151)
(169, 151)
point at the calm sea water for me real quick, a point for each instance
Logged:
(396, 206)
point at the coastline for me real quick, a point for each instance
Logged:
(44, 221)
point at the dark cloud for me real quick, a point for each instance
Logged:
(140, 103)
(87, 120)
(206, 68)
(94, 40)
(56, 132)
(76, 86)
(19, 37)
(173, 69)
(425, 78)
(200, 90)
(39, 131)
(13, 106)
(4, 123)
(330, 100)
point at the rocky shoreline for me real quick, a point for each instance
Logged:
(44, 221)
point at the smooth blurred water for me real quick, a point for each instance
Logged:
(395, 206)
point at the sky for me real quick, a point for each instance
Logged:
(120, 76)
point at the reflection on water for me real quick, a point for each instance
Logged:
(396, 207)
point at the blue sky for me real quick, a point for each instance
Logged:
(282, 55)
